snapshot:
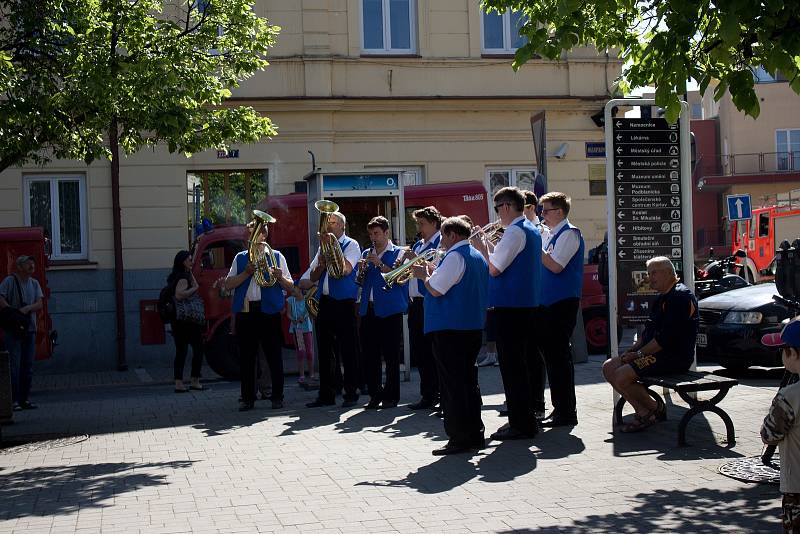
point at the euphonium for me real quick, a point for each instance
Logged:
(401, 275)
(493, 231)
(264, 261)
(332, 252)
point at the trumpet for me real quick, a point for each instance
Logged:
(264, 261)
(363, 264)
(402, 274)
(332, 252)
(493, 232)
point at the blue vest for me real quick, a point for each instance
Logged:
(271, 297)
(385, 303)
(433, 244)
(344, 288)
(569, 282)
(518, 285)
(463, 307)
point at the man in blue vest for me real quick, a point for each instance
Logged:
(429, 221)
(562, 281)
(258, 320)
(455, 312)
(381, 314)
(336, 319)
(515, 266)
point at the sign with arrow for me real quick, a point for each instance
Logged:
(739, 207)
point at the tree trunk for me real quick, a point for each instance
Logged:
(119, 280)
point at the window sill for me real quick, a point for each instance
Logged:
(384, 55)
(71, 265)
(498, 55)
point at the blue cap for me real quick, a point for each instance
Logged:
(788, 337)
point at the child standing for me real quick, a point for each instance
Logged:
(782, 424)
(300, 326)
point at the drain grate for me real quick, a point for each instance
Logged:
(39, 442)
(751, 469)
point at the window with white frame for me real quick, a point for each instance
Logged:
(496, 179)
(58, 205)
(500, 31)
(388, 26)
(787, 146)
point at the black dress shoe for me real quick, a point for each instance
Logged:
(372, 405)
(385, 404)
(349, 403)
(439, 414)
(422, 404)
(245, 406)
(555, 420)
(318, 403)
(27, 405)
(507, 433)
(451, 449)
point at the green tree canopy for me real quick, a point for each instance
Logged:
(664, 43)
(78, 75)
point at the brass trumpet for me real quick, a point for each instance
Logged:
(401, 275)
(332, 252)
(493, 232)
(264, 261)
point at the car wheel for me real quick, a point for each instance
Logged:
(595, 324)
(222, 352)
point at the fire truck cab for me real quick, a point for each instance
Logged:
(761, 235)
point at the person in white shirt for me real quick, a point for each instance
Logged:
(336, 318)
(258, 319)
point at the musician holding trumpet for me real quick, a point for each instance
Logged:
(258, 277)
(515, 264)
(333, 269)
(381, 310)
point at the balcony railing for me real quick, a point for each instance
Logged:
(755, 163)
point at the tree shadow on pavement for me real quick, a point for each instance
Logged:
(50, 491)
(699, 511)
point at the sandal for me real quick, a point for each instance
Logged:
(641, 422)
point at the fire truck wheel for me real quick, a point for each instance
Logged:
(221, 352)
(595, 324)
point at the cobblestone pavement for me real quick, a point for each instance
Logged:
(160, 462)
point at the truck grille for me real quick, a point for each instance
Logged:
(710, 317)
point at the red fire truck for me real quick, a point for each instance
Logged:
(761, 235)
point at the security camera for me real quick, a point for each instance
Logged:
(561, 151)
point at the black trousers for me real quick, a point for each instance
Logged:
(186, 334)
(517, 364)
(537, 371)
(336, 328)
(381, 338)
(421, 348)
(253, 330)
(455, 352)
(558, 322)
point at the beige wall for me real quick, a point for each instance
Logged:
(763, 194)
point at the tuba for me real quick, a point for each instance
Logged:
(264, 261)
(332, 252)
(401, 275)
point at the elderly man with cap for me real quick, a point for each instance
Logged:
(21, 291)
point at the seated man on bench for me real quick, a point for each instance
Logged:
(666, 345)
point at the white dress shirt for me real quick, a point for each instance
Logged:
(511, 244)
(566, 246)
(450, 271)
(389, 248)
(352, 254)
(413, 288)
(254, 290)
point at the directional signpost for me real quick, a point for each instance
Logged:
(739, 207)
(649, 205)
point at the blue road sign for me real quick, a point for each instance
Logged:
(739, 207)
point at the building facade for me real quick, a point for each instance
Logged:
(415, 86)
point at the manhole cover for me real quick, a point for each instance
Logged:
(751, 469)
(39, 442)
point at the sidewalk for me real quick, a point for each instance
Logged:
(160, 462)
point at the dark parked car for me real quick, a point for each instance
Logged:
(732, 323)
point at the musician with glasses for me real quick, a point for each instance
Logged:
(381, 313)
(258, 318)
(428, 221)
(562, 281)
(455, 312)
(336, 319)
(515, 271)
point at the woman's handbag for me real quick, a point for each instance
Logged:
(12, 321)
(190, 310)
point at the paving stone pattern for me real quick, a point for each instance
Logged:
(160, 462)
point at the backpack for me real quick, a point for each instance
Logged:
(166, 304)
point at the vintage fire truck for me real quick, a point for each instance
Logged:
(760, 236)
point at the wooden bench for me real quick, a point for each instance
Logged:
(685, 384)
